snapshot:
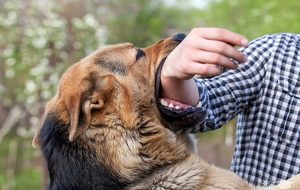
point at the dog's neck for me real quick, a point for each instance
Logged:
(160, 145)
(138, 154)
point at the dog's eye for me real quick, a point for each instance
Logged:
(140, 53)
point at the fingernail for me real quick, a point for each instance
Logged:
(244, 41)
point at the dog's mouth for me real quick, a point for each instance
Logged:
(177, 116)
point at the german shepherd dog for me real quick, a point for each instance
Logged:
(106, 128)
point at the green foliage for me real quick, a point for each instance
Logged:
(28, 179)
(37, 48)
(1, 180)
(253, 18)
(19, 164)
(37, 43)
(144, 22)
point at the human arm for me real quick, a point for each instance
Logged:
(205, 51)
(228, 94)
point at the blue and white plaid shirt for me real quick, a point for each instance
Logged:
(265, 94)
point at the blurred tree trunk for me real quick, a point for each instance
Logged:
(15, 115)
(3, 114)
(3, 110)
(11, 163)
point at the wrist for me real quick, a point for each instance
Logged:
(184, 91)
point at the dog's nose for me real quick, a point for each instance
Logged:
(179, 37)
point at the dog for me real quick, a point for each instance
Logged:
(107, 129)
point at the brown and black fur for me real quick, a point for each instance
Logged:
(103, 130)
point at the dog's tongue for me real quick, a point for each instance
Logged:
(179, 116)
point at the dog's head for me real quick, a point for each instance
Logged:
(106, 109)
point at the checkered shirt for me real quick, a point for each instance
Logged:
(265, 95)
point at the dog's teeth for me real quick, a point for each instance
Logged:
(171, 105)
(163, 102)
(177, 107)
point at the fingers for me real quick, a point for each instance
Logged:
(211, 40)
(213, 58)
(175, 67)
(205, 51)
(203, 69)
(221, 35)
(221, 48)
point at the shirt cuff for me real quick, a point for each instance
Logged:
(203, 100)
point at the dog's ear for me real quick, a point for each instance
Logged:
(80, 106)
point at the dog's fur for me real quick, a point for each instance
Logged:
(103, 130)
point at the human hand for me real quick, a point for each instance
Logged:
(204, 51)
(292, 183)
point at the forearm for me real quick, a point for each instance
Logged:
(186, 90)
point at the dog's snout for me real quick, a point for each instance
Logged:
(179, 37)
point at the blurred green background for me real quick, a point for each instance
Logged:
(40, 38)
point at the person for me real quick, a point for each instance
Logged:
(261, 87)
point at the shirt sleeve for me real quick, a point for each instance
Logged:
(230, 93)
